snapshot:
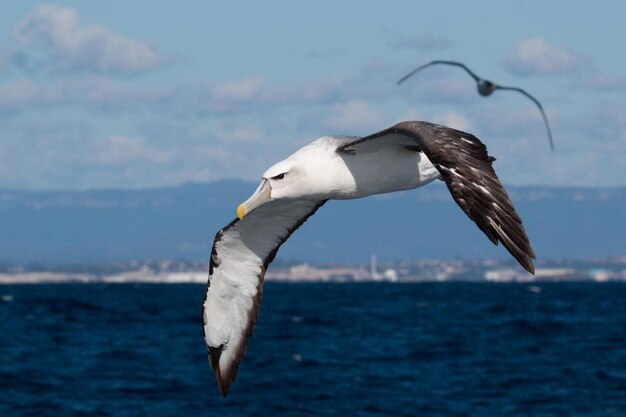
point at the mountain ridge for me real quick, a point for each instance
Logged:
(179, 222)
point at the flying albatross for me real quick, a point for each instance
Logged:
(405, 156)
(485, 88)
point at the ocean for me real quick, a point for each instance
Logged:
(367, 349)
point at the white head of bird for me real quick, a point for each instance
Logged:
(315, 171)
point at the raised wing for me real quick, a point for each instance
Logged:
(438, 62)
(466, 168)
(543, 113)
(239, 258)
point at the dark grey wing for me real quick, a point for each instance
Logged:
(240, 256)
(437, 62)
(466, 168)
(543, 113)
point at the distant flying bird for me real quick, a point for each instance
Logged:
(405, 156)
(485, 88)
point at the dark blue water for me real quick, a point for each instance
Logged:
(319, 349)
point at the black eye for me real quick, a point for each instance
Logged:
(279, 177)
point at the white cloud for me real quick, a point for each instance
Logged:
(250, 96)
(73, 155)
(534, 56)
(255, 94)
(21, 93)
(83, 47)
(590, 148)
(245, 96)
(97, 93)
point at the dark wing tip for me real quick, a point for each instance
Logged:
(214, 359)
(516, 242)
(525, 260)
(530, 267)
(222, 384)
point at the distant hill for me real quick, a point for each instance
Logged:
(180, 222)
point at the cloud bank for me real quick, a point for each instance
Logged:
(73, 117)
(78, 47)
(536, 57)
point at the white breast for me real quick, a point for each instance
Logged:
(386, 170)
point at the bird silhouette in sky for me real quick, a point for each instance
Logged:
(485, 88)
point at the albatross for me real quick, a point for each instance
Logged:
(485, 88)
(405, 156)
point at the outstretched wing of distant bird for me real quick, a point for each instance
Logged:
(437, 62)
(543, 113)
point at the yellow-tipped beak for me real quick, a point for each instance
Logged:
(241, 211)
(262, 195)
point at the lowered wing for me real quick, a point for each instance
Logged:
(240, 256)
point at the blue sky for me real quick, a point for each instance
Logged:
(140, 94)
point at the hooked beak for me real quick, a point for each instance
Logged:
(262, 195)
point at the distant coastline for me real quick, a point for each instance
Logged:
(435, 270)
(104, 226)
